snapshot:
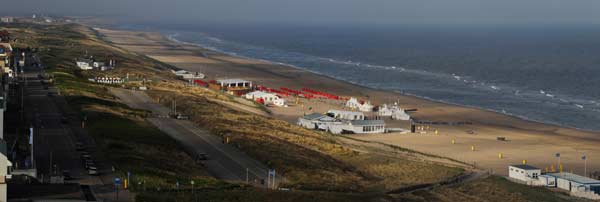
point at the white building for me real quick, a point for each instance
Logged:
(7, 19)
(267, 98)
(5, 165)
(394, 112)
(322, 122)
(84, 64)
(524, 173)
(234, 83)
(346, 115)
(353, 103)
(317, 121)
(97, 64)
(109, 80)
(577, 185)
(188, 75)
(366, 126)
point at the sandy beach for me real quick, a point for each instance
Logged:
(534, 142)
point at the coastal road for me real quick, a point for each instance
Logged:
(224, 161)
(54, 143)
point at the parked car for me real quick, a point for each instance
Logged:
(79, 147)
(67, 175)
(93, 171)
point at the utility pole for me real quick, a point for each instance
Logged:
(246, 175)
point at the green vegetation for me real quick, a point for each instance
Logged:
(255, 195)
(121, 134)
(307, 159)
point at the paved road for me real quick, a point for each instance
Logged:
(54, 142)
(55, 139)
(224, 161)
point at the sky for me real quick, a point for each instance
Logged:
(321, 11)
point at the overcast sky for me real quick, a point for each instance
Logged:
(322, 11)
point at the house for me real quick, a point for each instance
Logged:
(353, 103)
(346, 115)
(5, 168)
(7, 19)
(577, 185)
(336, 126)
(188, 75)
(5, 53)
(394, 112)
(524, 173)
(235, 86)
(193, 76)
(265, 98)
(84, 64)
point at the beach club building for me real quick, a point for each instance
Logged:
(346, 115)
(353, 103)
(233, 86)
(366, 126)
(577, 185)
(317, 121)
(394, 112)
(333, 125)
(265, 98)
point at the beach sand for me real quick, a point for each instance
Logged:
(534, 142)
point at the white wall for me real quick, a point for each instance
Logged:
(523, 175)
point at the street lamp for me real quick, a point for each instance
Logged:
(559, 166)
(584, 158)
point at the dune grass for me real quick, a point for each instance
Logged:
(492, 188)
(121, 133)
(309, 160)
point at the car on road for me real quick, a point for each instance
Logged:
(64, 120)
(79, 147)
(85, 157)
(92, 170)
(67, 175)
(202, 157)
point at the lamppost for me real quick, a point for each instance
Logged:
(559, 166)
(584, 158)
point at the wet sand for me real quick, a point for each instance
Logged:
(535, 142)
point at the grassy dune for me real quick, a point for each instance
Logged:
(307, 159)
(492, 188)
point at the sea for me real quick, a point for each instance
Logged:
(543, 73)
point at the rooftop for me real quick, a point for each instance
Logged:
(344, 112)
(260, 93)
(574, 178)
(232, 81)
(367, 122)
(525, 167)
(313, 116)
(84, 60)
